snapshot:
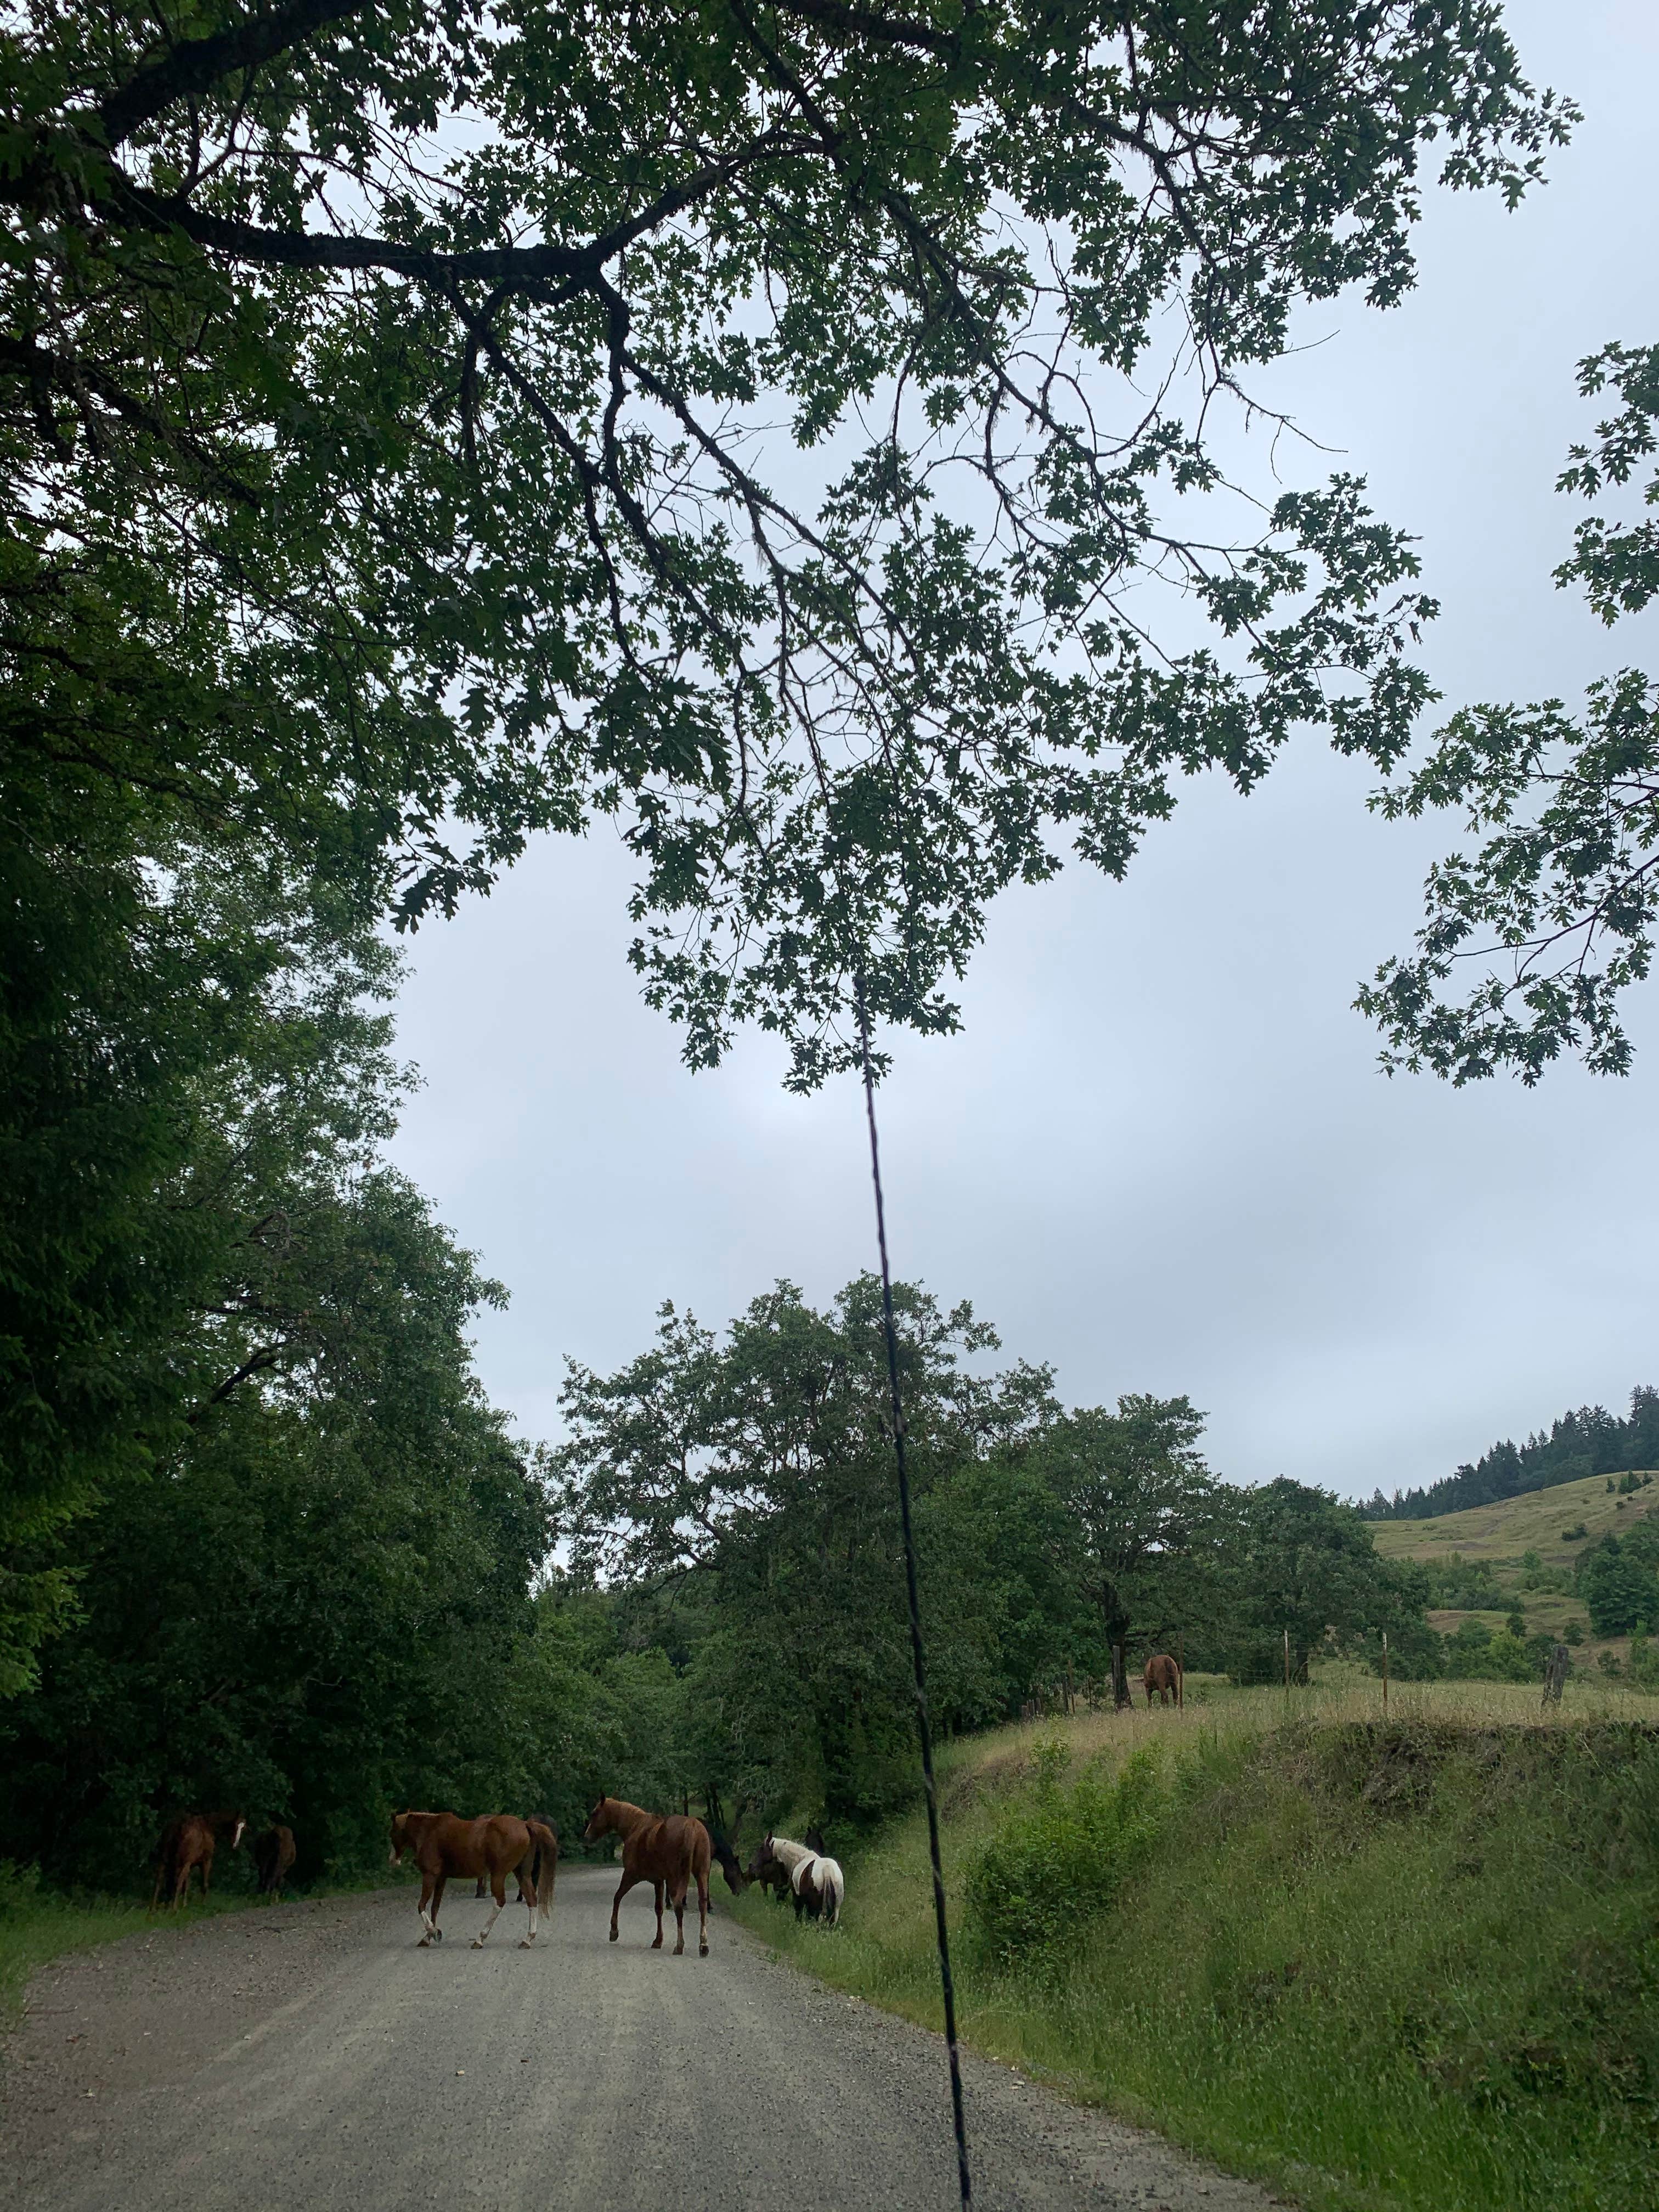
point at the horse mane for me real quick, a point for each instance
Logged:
(791, 1854)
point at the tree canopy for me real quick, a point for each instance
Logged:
(390, 455)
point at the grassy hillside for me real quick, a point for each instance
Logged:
(1504, 1533)
(1410, 1964)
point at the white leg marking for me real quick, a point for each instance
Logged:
(480, 1940)
(530, 1937)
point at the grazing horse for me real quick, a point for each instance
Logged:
(815, 1881)
(1163, 1676)
(188, 1842)
(819, 1885)
(769, 1871)
(273, 1855)
(736, 1881)
(496, 1844)
(669, 1850)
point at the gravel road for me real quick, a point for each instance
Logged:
(310, 2057)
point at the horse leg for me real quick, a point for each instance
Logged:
(207, 1871)
(498, 1890)
(677, 1898)
(440, 1881)
(702, 1916)
(623, 1888)
(656, 1889)
(527, 1895)
(429, 1927)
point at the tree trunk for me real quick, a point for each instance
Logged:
(1121, 1697)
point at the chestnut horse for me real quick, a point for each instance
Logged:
(273, 1855)
(496, 1844)
(766, 1867)
(1163, 1676)
(187, 1844)
(669, 1850)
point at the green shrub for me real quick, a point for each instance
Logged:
(1571, 1535)
(1061, 1857)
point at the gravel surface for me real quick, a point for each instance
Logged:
(309, 2056)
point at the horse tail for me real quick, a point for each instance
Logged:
(832, 1887)
(544, 1866)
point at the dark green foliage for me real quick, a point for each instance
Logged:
(1303, 1564)
(1619, 1585)
(315, 1603)
(1060, 1858)
(1590, 1440)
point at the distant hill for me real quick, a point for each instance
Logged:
(1503, 1529)
(1591, 1442)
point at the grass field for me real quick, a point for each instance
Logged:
(1502, 1533)
(1410, 1965)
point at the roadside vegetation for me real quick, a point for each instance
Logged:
(1405, 1963)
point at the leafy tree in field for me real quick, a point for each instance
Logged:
(1619, 1587)
(1558, 902)
(1141, 1509)
(757, 1471)
(1303, 1563)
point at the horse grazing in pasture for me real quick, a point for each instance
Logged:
(815, 1881)
(669, 1850)
(769, 1871)
(494, 1845)
(188, 1842)
(727, 1859)
(273, 1855)
(1163, 1676)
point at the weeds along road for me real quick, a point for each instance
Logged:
(309, 2056)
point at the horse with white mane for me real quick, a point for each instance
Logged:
(816, 1880)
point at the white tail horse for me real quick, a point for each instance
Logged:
(816, 1880)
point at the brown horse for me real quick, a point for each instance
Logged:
(668, 1851)
(766, 1867)
(496, 1844)
(1163, 1676)
(188, 1844)
(273, 1855)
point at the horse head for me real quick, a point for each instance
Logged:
(600, 1821)
(736, 1881)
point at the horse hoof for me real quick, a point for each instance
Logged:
(477, 1942)
(656, 1943)
(703, 1950)
(523, 1942)
(613, 1934)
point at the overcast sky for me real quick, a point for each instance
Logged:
(1162, 1156)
